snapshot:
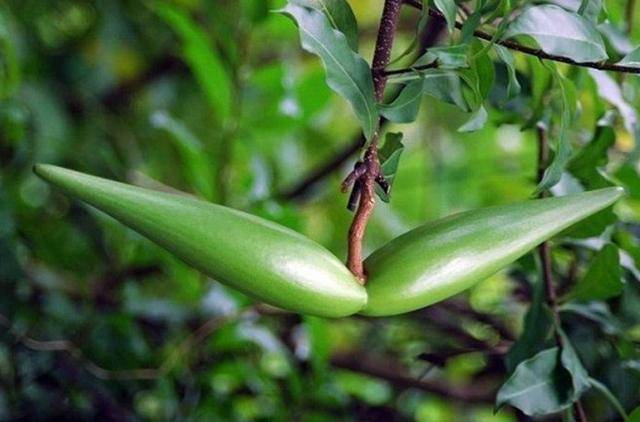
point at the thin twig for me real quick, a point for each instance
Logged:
(66, 346)
(512, 45)
(366, 182)
(544, 251)
(397, 375)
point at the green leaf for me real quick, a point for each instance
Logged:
(440, 84)
(631, 59)
(538, 386)
(347, 73)
(563, 145)
(610, 91)
(449, 9)
(476, 122)
(597, 312)
(584, 165)
(635, 415)
(603, 279)
(535, 331)
(480, 79)
(452, 57)
(513, 88)
(604, 390)
(340, 16)
(201, 58)
(200, 174)
(590, 9)
(559, 32)
(544, 384)
(389, 156)
(571, 362)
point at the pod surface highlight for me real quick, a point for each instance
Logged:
(260, 258)
(444, 257)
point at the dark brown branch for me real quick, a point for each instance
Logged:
(512, 45)
(396, 375)
(367, 181)
(544, 251)
(428, 37)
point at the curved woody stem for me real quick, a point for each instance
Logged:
(364, 175)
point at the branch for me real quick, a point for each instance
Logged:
(365, 182)
(545, 257)
(429, 37)
(396, 375)
(70, 348)
(512, 45)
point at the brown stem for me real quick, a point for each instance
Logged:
(512, 45)
(544, 251)
(367, 180)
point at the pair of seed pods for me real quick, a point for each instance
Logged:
(286, 269)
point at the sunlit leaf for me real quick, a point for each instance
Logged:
(448, 8)
(476, 122)
(453, 57)
(610, 91)
(340, 16)
(440, 84)
(632, 59)
(347, 73)
(563, 145)
(559, 32)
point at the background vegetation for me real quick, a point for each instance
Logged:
(217, 98)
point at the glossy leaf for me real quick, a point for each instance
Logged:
(347, 73)
(538, 386)
(444, 257)
(340, 16)
(559, 32)
(631, 59)
(562, 145)
(584, 165)
(260, 258)
(452, 57)
(603, 279)
(440, 84)
(201, 57)
(546, 383)
(571, 362)
(448, 8)
(611, 92)
(590, 9)
(476, 122)
(389, 156)
(513, 88)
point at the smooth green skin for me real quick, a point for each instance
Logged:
(260, 258)
(444, 257)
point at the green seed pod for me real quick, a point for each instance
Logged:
(444, 257)
(262, 259)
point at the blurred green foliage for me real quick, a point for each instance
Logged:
(218, 99)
